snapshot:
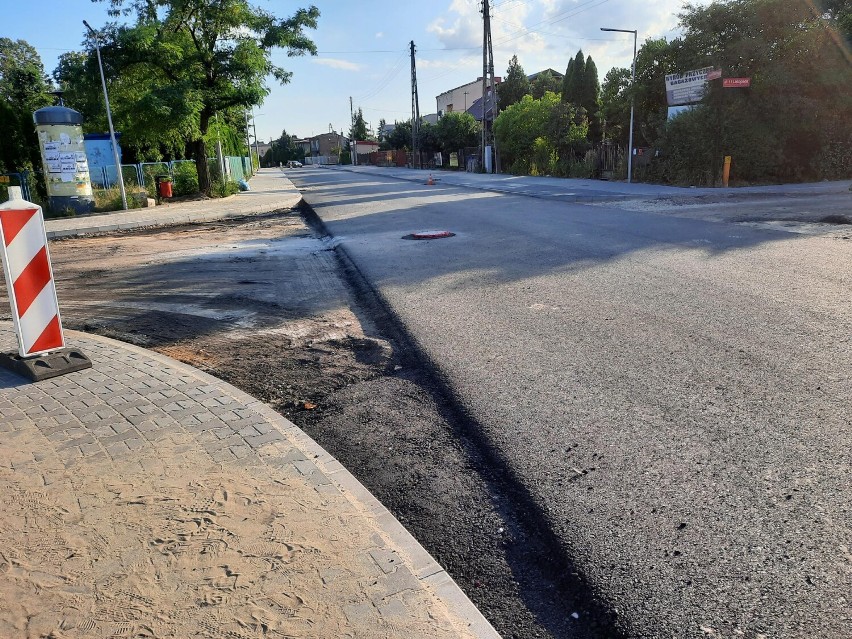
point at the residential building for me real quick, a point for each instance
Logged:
(364, 147)
(475, 109)
(460, 98)
(322, 145)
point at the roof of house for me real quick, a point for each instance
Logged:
(475, 109)
(555, 74)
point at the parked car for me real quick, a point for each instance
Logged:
(294, 164)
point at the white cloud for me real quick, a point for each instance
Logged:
(465, 30)
(380, 35)
(335, 63)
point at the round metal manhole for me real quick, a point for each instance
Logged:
(428, 235)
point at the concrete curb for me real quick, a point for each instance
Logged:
(423, 565)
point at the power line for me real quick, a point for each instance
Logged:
(386, 79)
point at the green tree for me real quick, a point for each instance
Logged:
(615, 105)
(514, 86)
(282, 150)
(531, 130)
(358, 130)
(572, 83)
(457, 131)
(202, 57)
(77, 76)
(24, 88)
(544, 82)
(427, 138)
(590, 90)
(400, 137)
(793, 123)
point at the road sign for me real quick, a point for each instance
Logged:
(715, 74)
(736, 83)
(29, 278)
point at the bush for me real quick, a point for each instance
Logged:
(185, 179)
(110, 199)
(224, 188)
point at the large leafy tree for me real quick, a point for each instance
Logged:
(457, 131)
(797, 55)
(532, 128)
(615, 105)
(202, 57)
(150, 128)
(514, 86)
(400, 137)
(24, 88)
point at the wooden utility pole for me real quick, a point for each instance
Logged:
(415, 111)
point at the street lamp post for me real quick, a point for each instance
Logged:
(632, 101)
(115, 158)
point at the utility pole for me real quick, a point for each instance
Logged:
(488, 72)
(465, 101)
(256, 147)
(353, 144)
(495, 109)
(248, 144)
(485, 19)
(415, 111)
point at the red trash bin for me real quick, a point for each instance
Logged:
(165, 185)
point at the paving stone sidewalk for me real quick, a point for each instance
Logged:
(138, 494)
(270, 191)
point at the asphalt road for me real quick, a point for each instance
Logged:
(672, 393)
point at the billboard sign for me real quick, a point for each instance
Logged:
(736, 83)
(686, 88)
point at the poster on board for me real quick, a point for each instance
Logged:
(686, 88)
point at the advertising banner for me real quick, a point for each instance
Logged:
(736, 83)
(686, 88)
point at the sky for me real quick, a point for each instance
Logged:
(363, 48)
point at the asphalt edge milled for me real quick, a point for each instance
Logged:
(511, 499)
(425, 568)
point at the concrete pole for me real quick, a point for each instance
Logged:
(119, 175)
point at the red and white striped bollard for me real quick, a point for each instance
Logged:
(29, 278)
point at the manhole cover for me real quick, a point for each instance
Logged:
(428, 235)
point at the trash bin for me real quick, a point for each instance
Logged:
(164, 185)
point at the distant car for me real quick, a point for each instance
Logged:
(294, 164)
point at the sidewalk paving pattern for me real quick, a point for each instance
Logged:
(145, 498)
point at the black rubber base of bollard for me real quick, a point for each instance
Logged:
(66, 360)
